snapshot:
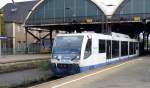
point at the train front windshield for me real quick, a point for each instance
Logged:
(67, 47)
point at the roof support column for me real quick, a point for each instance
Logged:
(51, 39)
(26, 39)
(143, 45)
(147, 41)
(33, 35)
(40, 40)
(107, 26)
(109, 29)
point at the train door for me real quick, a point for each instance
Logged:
(137, 48)
(108, 50)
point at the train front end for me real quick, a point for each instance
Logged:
(66, 55)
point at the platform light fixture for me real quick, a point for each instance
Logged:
(14, 9)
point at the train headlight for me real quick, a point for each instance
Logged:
(56, 57)
(76, 59)
(59, 57)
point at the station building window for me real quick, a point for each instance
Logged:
(115, 49)
(124, 48)
(88, 49)
(102, 46)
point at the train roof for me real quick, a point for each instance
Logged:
(113, 36)
(88, 33)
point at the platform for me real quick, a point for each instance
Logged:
(130, 74)
(22, 58)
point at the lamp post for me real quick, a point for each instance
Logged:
(1, 16)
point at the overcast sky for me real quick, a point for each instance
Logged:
(3, 2)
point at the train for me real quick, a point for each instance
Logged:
(81, 52)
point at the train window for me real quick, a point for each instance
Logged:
(135, 47)
(131, 48)
(88, 49)
(101, 46)
(124, 48)
(115, 49)
(108, 53)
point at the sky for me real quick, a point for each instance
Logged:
(108, 6)
(4, 2)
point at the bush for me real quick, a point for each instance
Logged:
(45, 65)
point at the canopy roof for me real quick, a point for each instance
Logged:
(108, 6)
(18, 12)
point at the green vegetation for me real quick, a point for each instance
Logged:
(30, 82)
(42, 65)
(18, 66)
(2, 23)
(4, 86)
(2, 27)
(45, 65)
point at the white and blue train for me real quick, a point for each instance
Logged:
(74, 53)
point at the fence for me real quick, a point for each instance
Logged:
(33, 48)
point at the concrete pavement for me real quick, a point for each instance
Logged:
(13, 79)
(21, 58)
(131, 74)
(22, 69)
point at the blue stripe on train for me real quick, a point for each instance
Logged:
(87, 68)
(62, 72)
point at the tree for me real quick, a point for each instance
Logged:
(2, 24)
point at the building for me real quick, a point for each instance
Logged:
(14, 25)
(15, 16)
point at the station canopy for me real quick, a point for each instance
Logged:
(135, 14)
(133, 10)
(63, 12)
